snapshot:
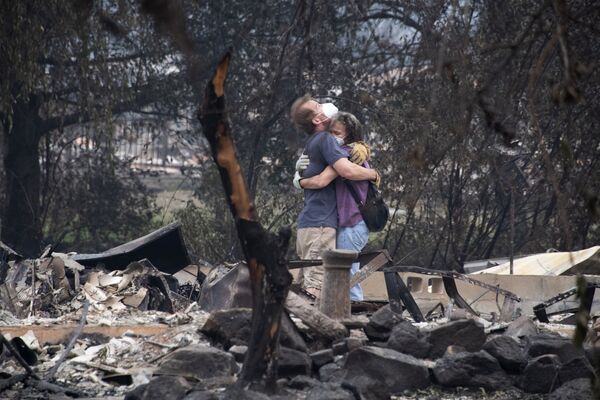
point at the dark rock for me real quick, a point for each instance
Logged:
(407, 339)
(478, 369)
(201, 395)
(541, 374)
(368, 388)
(239, 393)
(340, 347)
(331, 372)
(466, 333)
(354, 343)
(229, 327)
(239, 352)
(290, 336)
(376, 372)
(545, 343)
(198, 362)
(232, 392)
(508, 352)
(161, 388)
(381, 323)
(329, 392)
(322, 357)
(521, 327)
(293, 362)
(578, 389)
(576, 368)
(592, 354)
(234, 327)
(303, 382)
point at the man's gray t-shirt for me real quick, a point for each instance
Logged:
(320, 208)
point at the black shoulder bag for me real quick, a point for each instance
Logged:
(374, 211)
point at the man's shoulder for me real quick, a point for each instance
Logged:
(319, 136)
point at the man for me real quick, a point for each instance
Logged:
(317, 222)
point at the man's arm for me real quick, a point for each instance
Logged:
(319, 181)
(353, 172)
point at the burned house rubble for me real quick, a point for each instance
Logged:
(134, 323)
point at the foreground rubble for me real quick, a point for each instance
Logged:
(198, 356)
(133, 333)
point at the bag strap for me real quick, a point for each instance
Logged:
(353, 192)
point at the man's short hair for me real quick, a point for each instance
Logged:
(302, 116)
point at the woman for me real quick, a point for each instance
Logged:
(352, 232)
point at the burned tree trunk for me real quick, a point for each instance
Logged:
(21, 227)
(264, 252)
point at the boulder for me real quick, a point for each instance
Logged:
(202, 395)
(231, 392)
(303, 382)
(289, 334)
(234, 327)
(331, 372)
(375, 372)
(229, 327)
(577, 389)
(329, 392)
(381, 323)
(508, 352)
(578, 367)
(478, 369)
(546, 343)
(592, 354)
(541, 374)
(161, 388)
(521, 327)
(198, 362)
(239, 352)
(406, 338)
(466, 333)
(345, 345)
(321, 357)
(293, 362)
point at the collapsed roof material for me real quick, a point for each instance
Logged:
(585, 261)
(164, 248)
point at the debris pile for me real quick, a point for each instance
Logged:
(137, 332)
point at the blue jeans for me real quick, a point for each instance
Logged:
(353, 238)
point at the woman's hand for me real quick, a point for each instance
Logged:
(360, 152)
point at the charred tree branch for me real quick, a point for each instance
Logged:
(264, 252)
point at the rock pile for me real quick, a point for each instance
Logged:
(392, 357)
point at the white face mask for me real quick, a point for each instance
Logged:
(329, 109)
(339, 140)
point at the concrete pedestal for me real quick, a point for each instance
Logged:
(335, 293)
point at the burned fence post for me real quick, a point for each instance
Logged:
(264, 252)
(335, 294)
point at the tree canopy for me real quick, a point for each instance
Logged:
(481, 115)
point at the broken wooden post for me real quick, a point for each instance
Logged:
(335, 293)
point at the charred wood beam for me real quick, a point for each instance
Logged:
(15, 353)
(264, 252)
(586, 302)
(381, 258)
(398, 294)
(452, 292)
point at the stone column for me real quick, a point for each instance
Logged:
(335, 293)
